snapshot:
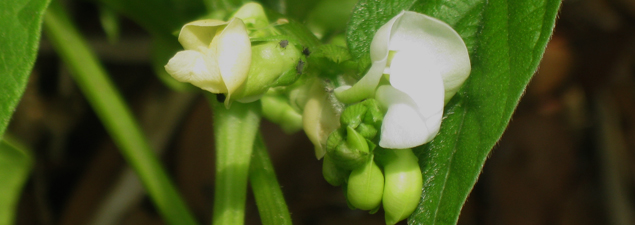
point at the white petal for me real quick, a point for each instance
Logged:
(430, 35)
(198, 35)
(196, 68)
(366, 86)
(417, 75)
(403, 125)
(233, 54)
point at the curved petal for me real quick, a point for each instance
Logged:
(366, 86)
(196, 68)
(434, 37)
(198, 35)
(232, 49)
(319, 119)
(253, 15)
(403, 125)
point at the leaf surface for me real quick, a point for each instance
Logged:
(506, 40)
(21, 23)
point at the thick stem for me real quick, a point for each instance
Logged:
(269, 199)
(235, 131)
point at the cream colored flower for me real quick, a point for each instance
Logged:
(216, 58)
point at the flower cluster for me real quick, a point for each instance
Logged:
(418, 64)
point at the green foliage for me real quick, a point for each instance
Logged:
(21, 22)
(15, 164)
(506, 40)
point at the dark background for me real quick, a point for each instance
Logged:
(566, 158)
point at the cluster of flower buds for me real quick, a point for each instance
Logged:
(418, 64)
(370, 174)
(364, 132)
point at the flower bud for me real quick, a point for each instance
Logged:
(350, 152)
(366, 186)
(216, 58)
(272, 64)
(403, 184)
(333, 174)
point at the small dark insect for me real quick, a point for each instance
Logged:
(300, 66)
(284, 43)
(220, 97)
(306, 51)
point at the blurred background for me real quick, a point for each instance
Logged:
(567, 156)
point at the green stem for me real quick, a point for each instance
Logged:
(115, 115)
(15, 167)
(269, 199)
(235, 131)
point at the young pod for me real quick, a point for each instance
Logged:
(403, 185)
(366, 186)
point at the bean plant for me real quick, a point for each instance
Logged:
(402, 99)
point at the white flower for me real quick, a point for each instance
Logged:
(426, 62)
(216, 58)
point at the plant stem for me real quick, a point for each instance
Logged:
(269, 199)
(15, 167)
(235, 131)
(114, 114)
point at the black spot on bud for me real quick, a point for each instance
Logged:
(306, 51)
(220, 97)
(300, 66)
(284, 43)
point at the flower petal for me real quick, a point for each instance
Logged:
(196, 68)
(403, 126)
(434, 37)
(232, 49)
(253, 15)
(417, 75)
(366, 86)
(198, 35)
(319, 119)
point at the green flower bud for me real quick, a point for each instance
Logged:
(253, 15)
(366, 186)
(350, 153)
(269, 63)
(332, 173)
(403, 186)
(364, 117)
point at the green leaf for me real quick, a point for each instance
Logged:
(15, 164)
(21, 23)
(506, 40)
